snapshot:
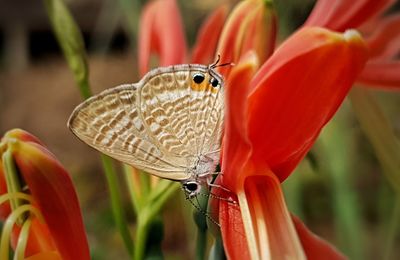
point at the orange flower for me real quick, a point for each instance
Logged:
(382, 69)
(250, 26)
(49, 196)
(273, 118)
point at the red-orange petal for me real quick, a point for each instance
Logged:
(314, 246)
(208, 35)
(341, 15)
(39, 239)
(384, 41)
(236, 147)
(232, 231)
(297, 91)
(381, 74)
(5, 208)
(53, 255)
(263, 228)
(21, 135)
(161, 33)
(227, 43)
(54, 193)
(260, 33)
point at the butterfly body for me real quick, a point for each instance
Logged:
(168, 124)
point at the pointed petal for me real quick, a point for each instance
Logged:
(236, 147)
(161, 33)
(227, 43)
(341, 15)
(268, 228)
(260, 33)
(297, 91)
(314, 246)
(250, 26)
(208, 35)
(381, 74)
(21, 135)
(53, 191)
(384, 42)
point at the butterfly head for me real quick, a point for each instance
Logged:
(191, 188)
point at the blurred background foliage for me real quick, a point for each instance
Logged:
(339, 191)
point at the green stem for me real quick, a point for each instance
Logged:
(148, 213)
(159, 203)
(158, 191)
(116, 204)
(392, 231)
(136, 201)
(13, 183)
(200, 219)
(84, 88)
(71, 41)
(217, 251)
(337, 153)
(145, 185)
(201, 244)
(141, 234)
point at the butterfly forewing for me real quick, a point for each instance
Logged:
(161, 124)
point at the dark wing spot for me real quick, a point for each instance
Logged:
(198, 78)
(214, 82)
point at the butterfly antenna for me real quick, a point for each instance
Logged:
(215, 64)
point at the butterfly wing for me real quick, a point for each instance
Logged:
(154, 125)
(184, 117)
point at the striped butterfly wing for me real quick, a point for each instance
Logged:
(160, 125)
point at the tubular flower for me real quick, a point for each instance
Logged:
(273, 118)
(45, 216)
(382, 69)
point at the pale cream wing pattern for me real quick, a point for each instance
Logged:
(161, 124)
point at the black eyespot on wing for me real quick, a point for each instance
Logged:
(214, 82)
(198, 78)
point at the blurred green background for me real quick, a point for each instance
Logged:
(339, 191)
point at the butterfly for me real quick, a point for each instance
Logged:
(168, 124)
